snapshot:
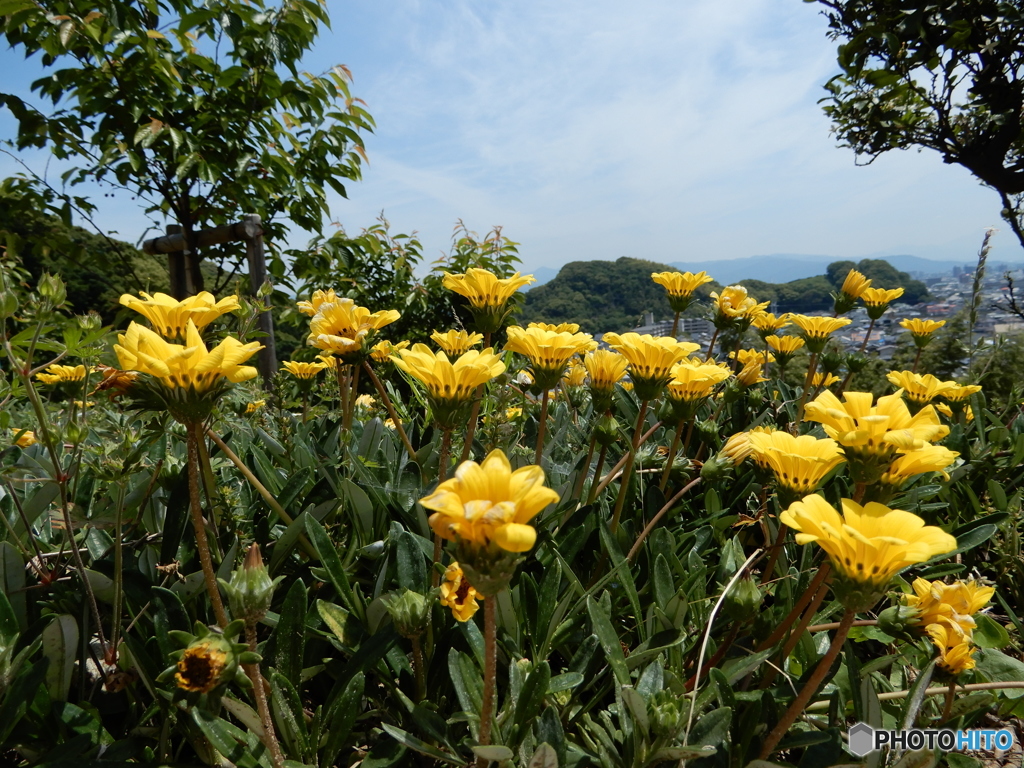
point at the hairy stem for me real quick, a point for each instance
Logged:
(627, 472)
(262, 706)
(490, 673)
(202, 544)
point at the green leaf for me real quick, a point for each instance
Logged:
(544, 757)
(494, 753)
(713, 728)
(609, 641)
(340, 717)
(60, 646)
(289, 636)
(531, 698)
(916, 695)
(332, 564)
(564, 682)
(997, 667)
(422, 747)
(287, 708)
(412, 570)
(334, 617)
(223, 739)
(988, 633)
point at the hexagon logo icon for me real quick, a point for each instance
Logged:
(862, 739)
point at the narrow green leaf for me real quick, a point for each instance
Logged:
(609, 640)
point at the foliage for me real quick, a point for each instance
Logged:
(612, 649)
(882, 274)
(195, 108)
(946, 77)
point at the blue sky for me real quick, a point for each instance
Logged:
(668, 130)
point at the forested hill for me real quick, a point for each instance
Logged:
(614, 295)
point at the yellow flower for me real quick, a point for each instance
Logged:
(855, 284)
(559, 328)
(575, 375)
(83, 404)
(919, 389)
(733, 304)
(187, 374)
(957, 394)
(759, 356)
(867, 545)
(202, 666)
(922, 330)
(25, 438)
(302, 370)
(956, 603)
(487, 293)
(766, 323)
(343, 328)
(799, 463)
(680, 286)
(784, 346)
(822, 379)
(651, 359)
(449, 385)
(872, 434)
(931, 458)
(816, 330)
(382, 351)
(489, 503)
(455, 343)
(627, 385)
(169, 317)
(458, 594)
(877, 300)
(956, 652)
(549, 352)
(691, 384)
(737, 448)
(365, 401)
(318, 298)
(606, 369)
(255, 406)
(329, 360)
(390, 424)
(58, 374)
(946, 411)
(750, 374)
(511, 414)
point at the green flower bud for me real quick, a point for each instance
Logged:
(52, 288)
(8, 304)
(830, 361)
(716, 469)
(899, 621)
(410, 612)
(89, 322)
(855, 363)
(606, 430)
(665, 711)
(251, 589)
(743, 600)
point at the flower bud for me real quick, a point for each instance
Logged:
(716, 469)
(52, 288)
(251, 588)
(743, 600)
(410, 612)
(8, 303)
(830, 361)
(606, 430)
(90, 321)
(855, 363)
(899, 621)
(665, 711)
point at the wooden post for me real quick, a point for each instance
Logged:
(257, 277)
(176, 266)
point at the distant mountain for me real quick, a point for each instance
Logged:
(785, 267)
(543, 275)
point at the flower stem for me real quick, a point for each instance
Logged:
(661, 513)
(576, 491)
(805, 598)
(541, 428)
(917, 359)
(391, 410)
(775, 548)
(627, 472)
(812, 686)
(607, 479)
(262, 707)
(811, 368)
(675, 325)
(597, 474)
(209, 577)
(490, 673)
(418, 671)
(671, 458)
(442, 474)
(711, 346)
(467, 448)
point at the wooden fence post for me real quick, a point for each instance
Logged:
(176, 267)
(257, 277)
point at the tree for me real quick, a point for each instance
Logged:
(943, 76)
(199, 109)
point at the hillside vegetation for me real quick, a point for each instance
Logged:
(614, 295)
